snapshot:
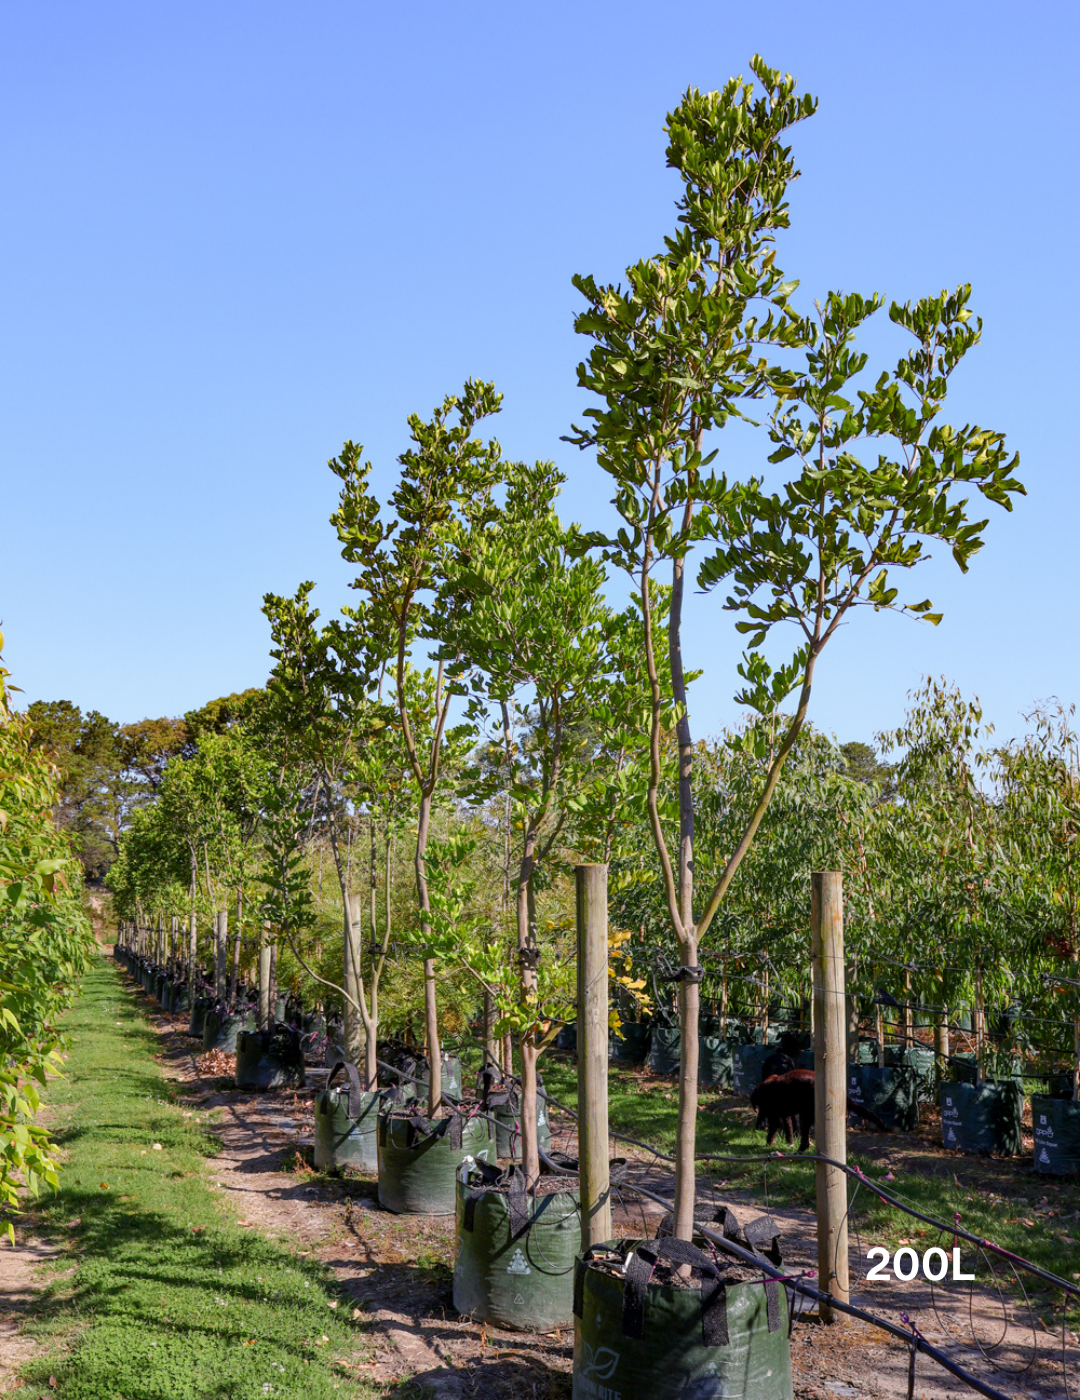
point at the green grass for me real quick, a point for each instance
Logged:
(157, 1294)
(1002, 1200)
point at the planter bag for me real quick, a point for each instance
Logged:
(199, 1007)
(631, 1045)
(1060, 1086)
(451, 1076)
(893, 1094)
(505, 1107)
(220, 1031)
(515, 1258)
(634, 1338)
(269, 1060)
(747, 1065)
(982, 1119)
(419, 1160)
(920, 1058)
(664, 1054)
(1056, 1123)
(346, 1123)
(962, 1068)
(714, 1061)
(181, 999)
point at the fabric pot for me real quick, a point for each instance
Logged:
(714, 1061)
(199, 1007)
(346, 1123)
(567, 1038)
(893, 1094)
(451, 1077)
(664, 1053)
(181, 999)
(920, 1058)
(269, 1060)
(1060, 1086)
(631, 1045)
(984, 1118)
(715, 1341)
(747, 1065)
(1056, 1123)
(220, 1030)
(515, 1257)
(508, 1117)
(418, 1160)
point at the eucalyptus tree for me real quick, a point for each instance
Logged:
(675, 355)
(441, 504)
(951, 881)
(529, 620)
(1040, 824)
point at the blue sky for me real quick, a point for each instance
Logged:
(237, 234)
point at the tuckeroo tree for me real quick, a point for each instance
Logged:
(675, 356)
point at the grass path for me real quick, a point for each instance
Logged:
(157, 1294)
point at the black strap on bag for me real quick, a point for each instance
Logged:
(355, 1089)
(639, 1271)
(489, 1176)
(761, 1237)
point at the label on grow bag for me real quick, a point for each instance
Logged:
(517, 1265)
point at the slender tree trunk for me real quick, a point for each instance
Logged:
(689, 1016)
(508, 1055)
(234, 984)
(193, 949)
(979, 1024)
(527, 948)
(431, 1010)
(272, 994)
(221, 934)
(266, 1019)
(355, 1039)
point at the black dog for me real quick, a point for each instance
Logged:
(786, 1099)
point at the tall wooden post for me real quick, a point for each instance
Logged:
(592, 1053)
(265, 1019)
(830, 1089)
(221, 934)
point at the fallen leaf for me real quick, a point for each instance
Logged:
(158, 1147)
(104, 1185)
(333, 1305)
(73, 1223)
(53, 1382)
(251, 1343)
(355, 1314)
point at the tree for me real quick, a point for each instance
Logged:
(441, 504)
(529, 620)
(675, 355)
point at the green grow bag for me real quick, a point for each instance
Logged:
(181, 999)
(199, 1007)
(736, 1347)
(220, 1031)
(1056, 1123)
(1060, 1086)
(515, 1252)
(419, 1161)
(963, 1068)
(346, 1123)
(982, 1119)
(631, 1045)
(920, 1058)
(891, 1093)
(747, 1065)
(269, 1060)
(664, 1054)
(714, 1061)
(508, 1118)
(451, 1078)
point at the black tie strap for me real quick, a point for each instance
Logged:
(639, 1271)
(355, 1089)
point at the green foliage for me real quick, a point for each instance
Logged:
(45, 946)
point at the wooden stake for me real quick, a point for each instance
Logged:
(830, 1088)
(592, 1053)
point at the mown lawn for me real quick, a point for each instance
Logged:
(158, 1294)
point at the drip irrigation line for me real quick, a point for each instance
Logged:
(912, 1338)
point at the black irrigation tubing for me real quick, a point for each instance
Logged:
(889, 1197)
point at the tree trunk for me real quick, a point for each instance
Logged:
(526, 918)
(355, 1039)
(491, 1049)
(431, 1009)
(221, 934)
(689, 1016)
(265, 1017)
(979, 1024)
(234, 983)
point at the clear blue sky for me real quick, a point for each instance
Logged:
(236, 234)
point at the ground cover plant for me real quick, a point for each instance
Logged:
(158, 1293)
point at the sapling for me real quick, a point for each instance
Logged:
(675, 355)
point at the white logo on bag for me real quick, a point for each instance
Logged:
(517, 1265)
(597, 1366)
